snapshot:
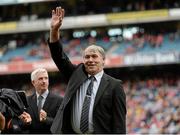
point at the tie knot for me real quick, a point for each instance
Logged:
(40, 97)
(92, 78)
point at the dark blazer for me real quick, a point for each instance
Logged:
(51, 107)
(109, 112)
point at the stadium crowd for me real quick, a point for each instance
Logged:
(153, 106)
(36, 48)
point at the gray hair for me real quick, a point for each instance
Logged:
(96, 48)
(36, 71)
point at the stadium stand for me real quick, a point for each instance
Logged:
(139, 43)
(146, 102)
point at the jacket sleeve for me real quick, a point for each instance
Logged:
(119, 110)
(61, 59)
(49, 119)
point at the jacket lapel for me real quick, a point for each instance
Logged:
(34, 106)
(102, 86)
(47, 102)
(76, 80)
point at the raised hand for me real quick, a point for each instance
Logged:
(56, 22)
(57, 18)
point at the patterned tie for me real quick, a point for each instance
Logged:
(40, 98)
(84, 124)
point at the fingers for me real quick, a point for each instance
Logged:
(21, 116)
(53, 12)
(27, 120)
(58, 12)
(25, 117)
(61, 11)
(42, 115)
(26, 114)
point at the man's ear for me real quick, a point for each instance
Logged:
(33, 82)
(103, 61)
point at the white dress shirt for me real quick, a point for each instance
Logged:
(78, 103)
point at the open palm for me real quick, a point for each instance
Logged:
(57, 17)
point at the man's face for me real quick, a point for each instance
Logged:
(41, 82)
(93, 61)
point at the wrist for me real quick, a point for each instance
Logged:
(54, 28)
(54, 35)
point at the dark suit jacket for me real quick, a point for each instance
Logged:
(109, 112)
(51, 107)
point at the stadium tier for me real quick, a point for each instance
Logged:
(135, 44)
(144, 44)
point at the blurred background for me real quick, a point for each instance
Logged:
(141, 38)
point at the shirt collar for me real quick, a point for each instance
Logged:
(45, 94)
(98, 76)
